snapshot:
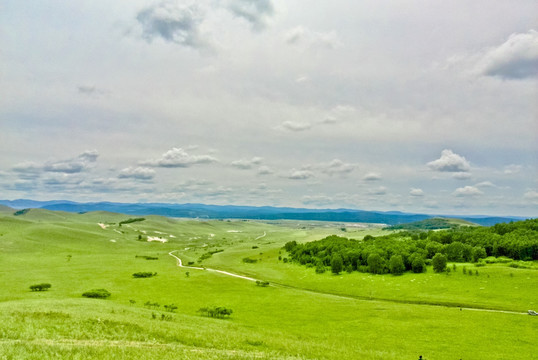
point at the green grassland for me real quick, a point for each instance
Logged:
(302, 315)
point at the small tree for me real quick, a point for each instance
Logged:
(396, 265)
(439, 263)
(320, 267)
(418, 265)
(337, 264)
(376, 264)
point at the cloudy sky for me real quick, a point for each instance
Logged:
(418, 106)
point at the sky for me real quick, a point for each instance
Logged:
(414, 106)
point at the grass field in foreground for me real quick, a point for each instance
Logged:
(270, 323)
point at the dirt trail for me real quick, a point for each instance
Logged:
(180, 264)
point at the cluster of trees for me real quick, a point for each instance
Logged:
(130, 221)
(147, 257)
(40, 287)
(413, 250)
(215, 312)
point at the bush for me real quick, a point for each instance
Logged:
(40, 287)
(248, 260)
(144, 274)
(262, 283)
(97, 294)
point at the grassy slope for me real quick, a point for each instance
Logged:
(274, 322)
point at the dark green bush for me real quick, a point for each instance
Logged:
(40, 287)
(144, 274)
(97, 294)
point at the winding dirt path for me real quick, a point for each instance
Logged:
(180, 264)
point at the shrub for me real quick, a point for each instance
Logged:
(97, 294)
(262, 283)
(144, 274)
(147, 257)
(40, 287)
(171, 307)
(248, 260)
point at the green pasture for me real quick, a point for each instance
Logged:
(302, 316)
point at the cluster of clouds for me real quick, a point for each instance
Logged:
(79, 173)
(182, 23)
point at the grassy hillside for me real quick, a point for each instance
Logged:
(432, 224)
(302, 315)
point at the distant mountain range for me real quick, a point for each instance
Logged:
(245, 212)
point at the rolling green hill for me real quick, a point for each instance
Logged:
(433, 224)
(300, 315)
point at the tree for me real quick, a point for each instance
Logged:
(417, 264)
(320, 267)
(376, 264)
(439, 263)
(479, 253)
(337, 264)
(396, 265)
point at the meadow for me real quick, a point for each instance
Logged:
(300, 315)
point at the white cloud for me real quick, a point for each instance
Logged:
(139, 173)
(265, 170)
(69, 166)
(300, 174)
(450, 162)
(517, 58)
(487, 184)
(372, 176)
(416, 192)
(337, 166)
(467, 191)
(177, 157)
(531, 195)
(245, 164)
(512, 169)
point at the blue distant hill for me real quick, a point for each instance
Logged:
(244, 212)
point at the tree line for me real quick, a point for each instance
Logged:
(413, 250)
